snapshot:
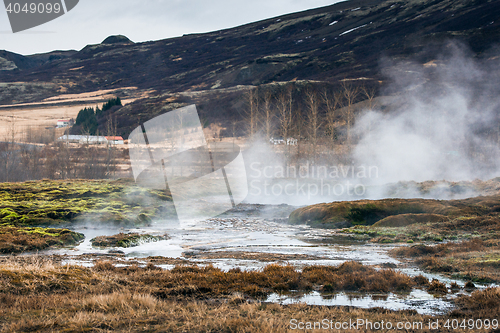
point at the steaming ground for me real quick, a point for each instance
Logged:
(446, 126)
(441, 127)
(271, 181)
(254, 236)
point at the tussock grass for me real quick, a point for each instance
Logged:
(134, 299)
(201, 282)
(399, 212)
(368, 212)
(483, 303)
(476, 260)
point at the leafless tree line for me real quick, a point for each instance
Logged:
(45, 158)
(22, 162)
(313, 114)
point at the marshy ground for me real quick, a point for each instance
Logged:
(246, 271)
(38, 295)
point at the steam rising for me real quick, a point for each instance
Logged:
(445, 127)
(437, 123)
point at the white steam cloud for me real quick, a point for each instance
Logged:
(445, 126)
(436, 124)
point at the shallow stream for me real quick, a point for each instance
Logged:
(256, 236)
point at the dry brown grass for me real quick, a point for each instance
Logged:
(482, 300)
(354, 276)
(37, 295)
(126, 312)
(475, 260)
(403, 220)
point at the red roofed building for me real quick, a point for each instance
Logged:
(115, 140)
(65, 123)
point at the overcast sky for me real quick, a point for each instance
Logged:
(91, 21)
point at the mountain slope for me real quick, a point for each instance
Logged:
(329, 43)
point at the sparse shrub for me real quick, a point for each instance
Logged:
(470, 285)
(437, 287)
(329, 288)
(421, 280)
(102, 265)
(151, 267)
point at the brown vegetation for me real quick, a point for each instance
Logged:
(478, 214)
(19, 239)
(477, 260)
(205, 282)
(39, 296)
(474, 222)
(368, 212)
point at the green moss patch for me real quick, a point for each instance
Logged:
(21, 239)
(50, 202)
(126, 240)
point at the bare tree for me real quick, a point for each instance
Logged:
(369, 93)
(331, 102)
(313, 119)
(112, 131)
(284, 113)
(285, 118)
(268, 114)
(253, 110)
(10, 155)
(350, 93)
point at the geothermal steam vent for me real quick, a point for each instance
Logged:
(170, 152)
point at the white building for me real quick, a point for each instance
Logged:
(277, 141)
(84, 139)
(71, 138)
(64, 123)
(93, 140)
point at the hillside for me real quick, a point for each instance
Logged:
(347, 39)
(305, 45)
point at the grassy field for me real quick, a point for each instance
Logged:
(40, 296)
(17, 119)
